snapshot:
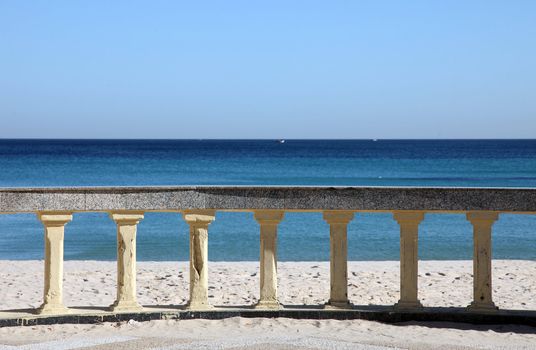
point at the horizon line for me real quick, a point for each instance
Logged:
(262, 139)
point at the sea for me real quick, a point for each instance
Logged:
(235, 236)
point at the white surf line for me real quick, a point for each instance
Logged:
(309, 342)
(69, 343)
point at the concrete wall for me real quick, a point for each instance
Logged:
(265, 197)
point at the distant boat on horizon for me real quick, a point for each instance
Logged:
(281, 140)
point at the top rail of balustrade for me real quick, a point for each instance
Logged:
(242, 198)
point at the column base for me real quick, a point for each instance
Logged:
(199, 306)
(482, 307)
(53, 309)
(407, 305)
(267, 305)
(338, 305)
(129, 306)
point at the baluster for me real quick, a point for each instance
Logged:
(126, 261)
(409, 258)
(268, 221)
(338, 227)
(482, 287)
(199, 221)
(54, 223)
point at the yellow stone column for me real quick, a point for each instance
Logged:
(54, 223)
(127, 222)
(199, 221)
(268, 221)
(338, 227)
(482, 290)
(409, 258)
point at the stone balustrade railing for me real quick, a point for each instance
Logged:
(198, 205)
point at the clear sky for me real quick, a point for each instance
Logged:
(268, 69)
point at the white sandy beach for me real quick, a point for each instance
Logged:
(441, 283)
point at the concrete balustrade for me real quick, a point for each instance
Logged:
(54, 232)
(268, 221)
(338, 241)
(126, 261)
(198, 206)
(409, 258)
(199, 221)
(482, 292)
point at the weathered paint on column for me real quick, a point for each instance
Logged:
(54, 223)
(199, 221)
(409, 258)
(126, 261)
(268, 221)
(338, 237)
(482, 287)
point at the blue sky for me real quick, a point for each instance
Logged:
(268, 69)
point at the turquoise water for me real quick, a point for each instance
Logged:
(234, 236)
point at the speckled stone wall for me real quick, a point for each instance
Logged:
(265, 197)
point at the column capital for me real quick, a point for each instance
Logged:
(55, 218)
(408, 216)
(338, 216)
(482, 216)
(126, 217)
(273, 217)
(202, 217)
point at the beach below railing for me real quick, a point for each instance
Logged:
(166, 284)
(163, 288)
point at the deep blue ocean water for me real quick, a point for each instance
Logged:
(235, 236)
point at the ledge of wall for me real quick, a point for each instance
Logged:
(17, 200)
(381, 314)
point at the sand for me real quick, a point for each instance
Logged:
(441, 283)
